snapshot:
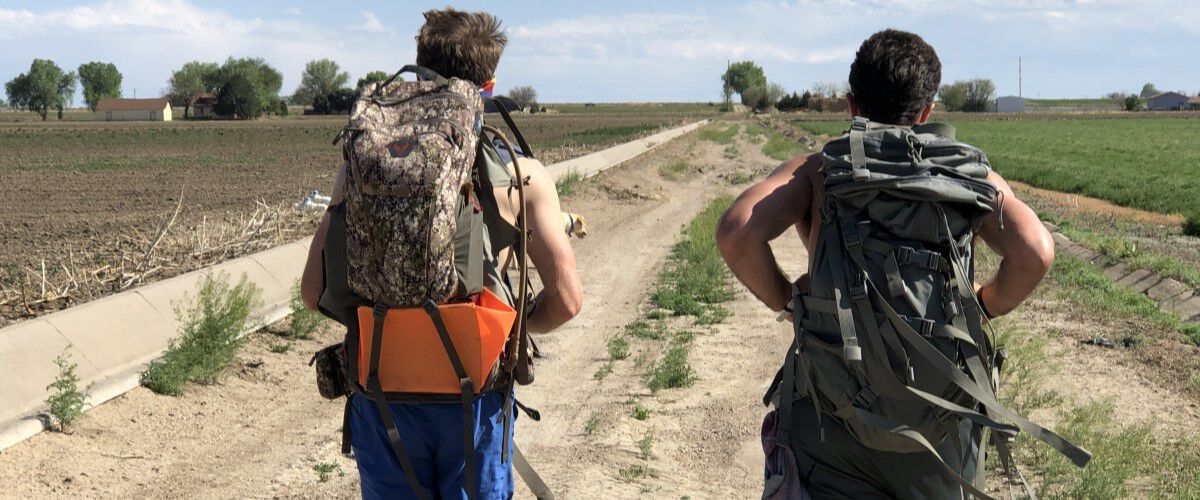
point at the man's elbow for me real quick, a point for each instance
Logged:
(1043, 254)
(730, 235)
(571, 303)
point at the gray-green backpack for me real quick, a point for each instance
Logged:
(890, 338)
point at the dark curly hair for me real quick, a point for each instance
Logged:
(459, 44)
(895, 75)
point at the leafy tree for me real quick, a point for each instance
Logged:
(1132, 102)
(192, 79)
(1148, 90)
(980, 93)
(756, 98)
(525, 96)
(376, 76)
(99, 80)
(805, 100)
(338, 101)
(282, 105)
(742, 76)
(953, 96)
(43, 88)
(321, 77)
(66, 91)
(248, 87)
(726, 97)
(774, 93)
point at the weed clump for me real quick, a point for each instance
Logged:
(66, 401)
(305, 321)
(565, 185)
(673, 370)
(210, 336)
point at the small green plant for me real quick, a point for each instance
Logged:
(604, 370)
(634, 472)
(673, 370)
(305, 321)
(696, 278)
(731, 152)
(740, 177)
(646, 446)
(592, 425)
(618, 348)
(66, 401)
(656, 314)
(675, 170)
(326, 470)
(565, 185)
(280, 347)
(645, 330)
(210, 336)
(640, 412)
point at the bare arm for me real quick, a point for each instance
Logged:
(759, 215)
(312, 282)
(551, 252)
(1025, 248)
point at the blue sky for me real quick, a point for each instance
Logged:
(620, 50)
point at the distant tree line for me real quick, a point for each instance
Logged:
(749, 82)
(970, 96)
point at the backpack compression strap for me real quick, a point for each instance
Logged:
(385, 412)
(858, 149)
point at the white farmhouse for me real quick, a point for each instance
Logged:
(1167, 101)
(158, 110)
(1010, 104)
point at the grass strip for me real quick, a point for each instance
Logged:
(1084, 284)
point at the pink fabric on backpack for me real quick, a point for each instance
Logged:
(781, 477)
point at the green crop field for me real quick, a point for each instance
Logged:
(1147, 162)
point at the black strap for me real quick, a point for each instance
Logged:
(421, 71)
(346, 438)
(376, 394)
(536, 486)
(467, 390)
(512, 127)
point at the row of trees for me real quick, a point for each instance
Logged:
(47, 87)
(243, 88)
(749, 82)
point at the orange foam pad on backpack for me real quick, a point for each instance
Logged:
(412, 358)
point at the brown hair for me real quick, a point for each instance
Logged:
(459, 44)
(894, 76)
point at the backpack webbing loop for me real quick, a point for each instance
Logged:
(858, 149)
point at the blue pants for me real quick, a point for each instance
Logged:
(433, 438)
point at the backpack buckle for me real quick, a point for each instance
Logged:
(858, 289)
(851, 235)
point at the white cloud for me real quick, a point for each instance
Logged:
(371, 23)
(147, 39)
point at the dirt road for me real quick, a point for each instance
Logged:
(261, 432)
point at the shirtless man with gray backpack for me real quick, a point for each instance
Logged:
(423, 256)
(890, 385)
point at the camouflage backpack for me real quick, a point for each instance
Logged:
(890, 338)
(410, 148)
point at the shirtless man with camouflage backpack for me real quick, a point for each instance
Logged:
(889, 386)
(422, 256)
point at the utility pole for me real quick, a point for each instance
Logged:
(1020, 79)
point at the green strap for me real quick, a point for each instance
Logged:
(841, 296)
(385, 412)
(473, 281)
(887, 425)
(858, 150)
(948, 369)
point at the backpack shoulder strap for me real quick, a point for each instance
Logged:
(512, 126)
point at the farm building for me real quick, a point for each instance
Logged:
(202, 106)
(1167, 101)
(158, 110)
(1194, 103)
(1010, 104)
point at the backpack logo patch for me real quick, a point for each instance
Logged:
(402, 148)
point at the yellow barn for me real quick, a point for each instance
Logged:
(158, 110)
